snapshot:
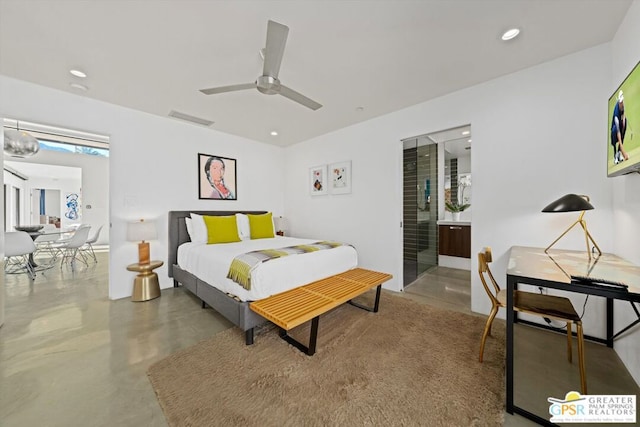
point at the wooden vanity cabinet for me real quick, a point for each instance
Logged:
(455, 240)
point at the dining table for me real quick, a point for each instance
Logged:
(35, 231)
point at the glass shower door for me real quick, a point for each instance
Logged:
(420, 212)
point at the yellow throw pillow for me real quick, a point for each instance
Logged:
(221, 229)
(261, 226)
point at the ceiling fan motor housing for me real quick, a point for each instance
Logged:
(268, 85)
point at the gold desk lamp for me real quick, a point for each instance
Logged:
(573, 203)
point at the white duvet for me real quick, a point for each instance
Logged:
(210, 263)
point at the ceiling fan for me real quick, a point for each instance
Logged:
(268, 82)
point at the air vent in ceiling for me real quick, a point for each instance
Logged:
(188, 118)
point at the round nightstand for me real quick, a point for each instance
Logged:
(145, 285)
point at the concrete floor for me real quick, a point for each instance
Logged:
(71, 357)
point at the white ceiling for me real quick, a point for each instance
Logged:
(154, 56)
(38, 170)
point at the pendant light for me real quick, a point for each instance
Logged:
(18, 143)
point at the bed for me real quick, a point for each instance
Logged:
(207, 280)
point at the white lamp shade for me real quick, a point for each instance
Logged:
(279, 222)
(141, 231)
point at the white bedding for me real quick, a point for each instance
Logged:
(210, 263)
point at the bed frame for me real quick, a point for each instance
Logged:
(237, 312)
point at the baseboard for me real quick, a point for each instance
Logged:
(454, 262)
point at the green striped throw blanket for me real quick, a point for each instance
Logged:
(242, 265)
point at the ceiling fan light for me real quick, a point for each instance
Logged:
(18, 143)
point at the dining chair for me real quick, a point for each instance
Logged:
(18, 245)
(88, 246)
(48, 243)
(545, 306)
(71, 249)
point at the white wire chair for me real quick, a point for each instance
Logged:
(71, 250)
(88, 246)
(18, 245)
(48, 244)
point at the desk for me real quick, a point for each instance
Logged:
(532, 266)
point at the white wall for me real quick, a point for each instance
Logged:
(2, 234)
(537, 134)
(152, 166)
(626, 189)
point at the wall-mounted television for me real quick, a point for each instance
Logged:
(623, 146)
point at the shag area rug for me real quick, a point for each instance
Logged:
(410, 364)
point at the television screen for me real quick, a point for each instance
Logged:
(623, 147)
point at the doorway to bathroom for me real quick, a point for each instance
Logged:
(436, 182)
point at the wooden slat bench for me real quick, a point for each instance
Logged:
(297, 306)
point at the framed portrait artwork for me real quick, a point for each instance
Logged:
(318, 180)
(216, 177)
(340, 178)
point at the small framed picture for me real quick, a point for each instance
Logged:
(318, 180)
(340, 178)
(216, 177)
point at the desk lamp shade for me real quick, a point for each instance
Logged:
(573, 203)
(569, 203)
(140, 231)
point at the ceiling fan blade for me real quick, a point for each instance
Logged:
(299, 98)
(274, 50)
(231, 88)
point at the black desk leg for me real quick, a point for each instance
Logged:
(610, 322)
(632, 324)
(510, 341)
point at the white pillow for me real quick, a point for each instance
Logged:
(243, 226)
(187, 222)
(199, 229)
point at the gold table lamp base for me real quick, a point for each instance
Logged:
(587, 236)
(145, 286)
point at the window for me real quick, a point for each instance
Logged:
(54, 138)
(67, 147)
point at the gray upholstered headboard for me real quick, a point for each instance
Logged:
(178, 231)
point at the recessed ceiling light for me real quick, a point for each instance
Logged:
(274, 133)
(78, 73)
(466, 132)
(79, 86)
(469, 140)
(510, 34)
